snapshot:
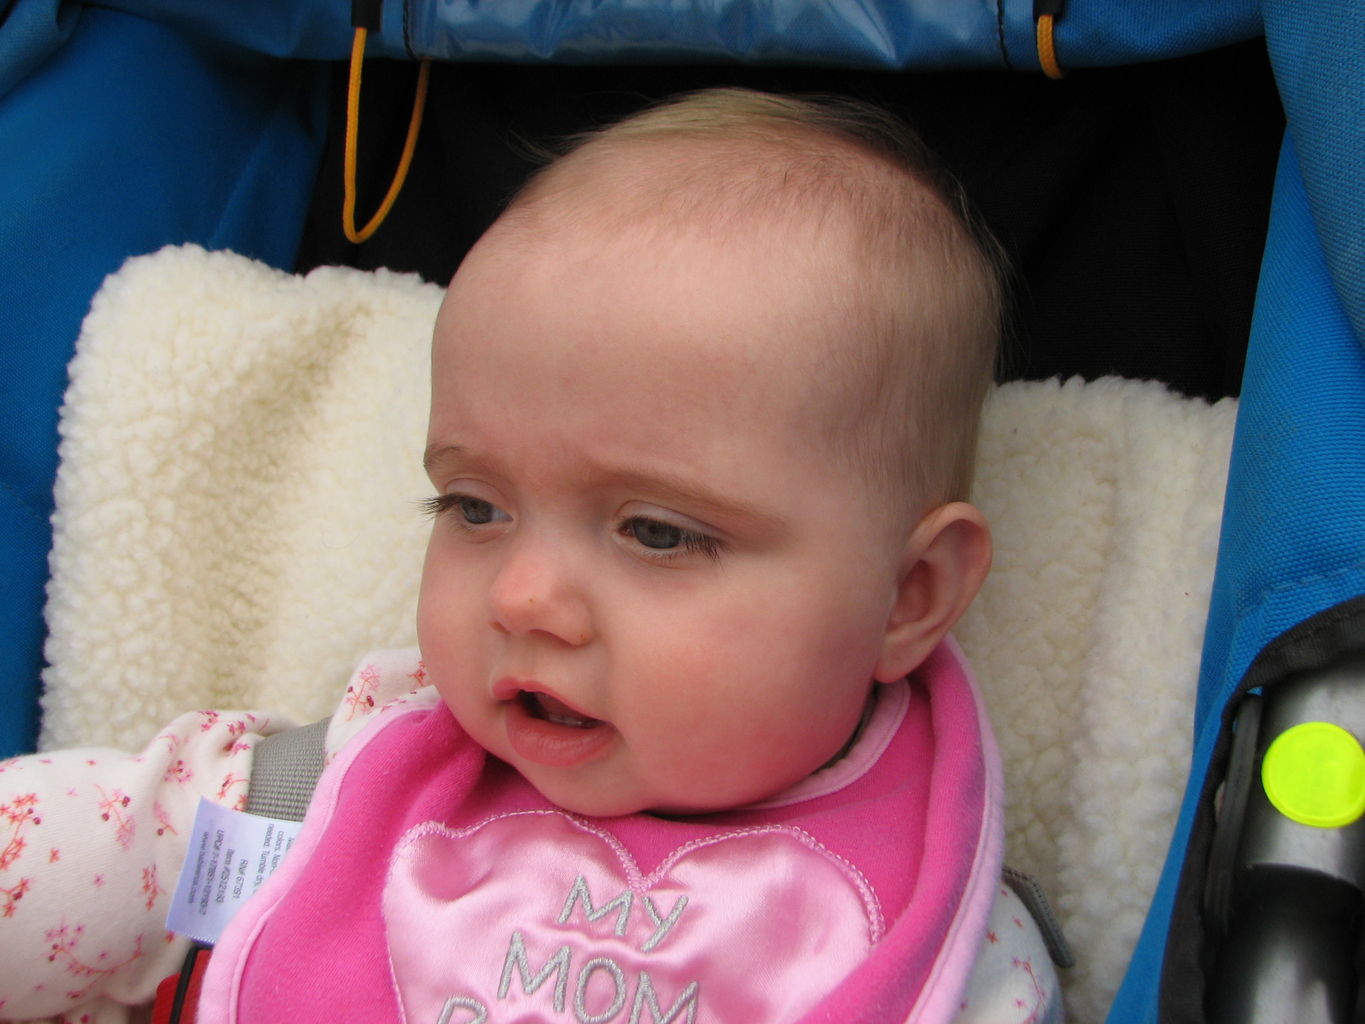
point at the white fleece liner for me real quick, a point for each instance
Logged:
(237, 521)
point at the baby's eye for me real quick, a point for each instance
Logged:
(470, 511)
(475, 511)
(654, 534)
(666, 537)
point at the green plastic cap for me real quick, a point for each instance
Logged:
(1314, 774)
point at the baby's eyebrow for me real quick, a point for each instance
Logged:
(436, 454)
(698, 499)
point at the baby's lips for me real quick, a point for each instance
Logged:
(541, 701)
(552, 709)
(551, 741)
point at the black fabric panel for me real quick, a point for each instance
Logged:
(1133, 200)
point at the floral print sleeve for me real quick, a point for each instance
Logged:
(91, 842)
(382, 680)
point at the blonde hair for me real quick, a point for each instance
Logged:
(928, 280)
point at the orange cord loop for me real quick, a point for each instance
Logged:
(1047, 47)
(352, 134)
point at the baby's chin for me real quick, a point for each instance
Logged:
(616, 805)
(604, 805)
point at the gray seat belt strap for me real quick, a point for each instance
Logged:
(1033, 897)
(285, 771)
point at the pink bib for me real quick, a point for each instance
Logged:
(432, 884)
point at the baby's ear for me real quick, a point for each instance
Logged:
(945, 561)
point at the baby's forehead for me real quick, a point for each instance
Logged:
(759, 184)
(752, 267)
(630, 208)
(641, 302)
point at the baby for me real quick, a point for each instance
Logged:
(689, 741)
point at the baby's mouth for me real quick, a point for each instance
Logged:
(544, 730)
(550, 709)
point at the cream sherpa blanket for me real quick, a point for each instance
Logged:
(237, 521)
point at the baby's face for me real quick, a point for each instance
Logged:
(650, 584)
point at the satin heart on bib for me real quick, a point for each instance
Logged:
(539, 916)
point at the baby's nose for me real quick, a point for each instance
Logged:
(536, 592)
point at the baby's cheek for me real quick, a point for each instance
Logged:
(447, 615)
(431, 614)
(742, 636)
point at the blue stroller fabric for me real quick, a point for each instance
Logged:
(1291, 569)
(122, 135)
(1294, 525)
(882, 35)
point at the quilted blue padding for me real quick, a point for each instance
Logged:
(920, 34)
(880, 34)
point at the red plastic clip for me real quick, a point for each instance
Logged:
(177, 997)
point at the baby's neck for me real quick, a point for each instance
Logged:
(858, 729)
(868, 708)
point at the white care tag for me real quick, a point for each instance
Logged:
(230, 855)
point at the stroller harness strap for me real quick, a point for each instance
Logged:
(285, 771)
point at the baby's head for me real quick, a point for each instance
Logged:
(703, 414)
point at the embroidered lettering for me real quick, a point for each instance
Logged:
(644, 1007)
(516, 957)
(646, 997)
(579, 891)
(580, 995)
(463, 1003)
(662, 926)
